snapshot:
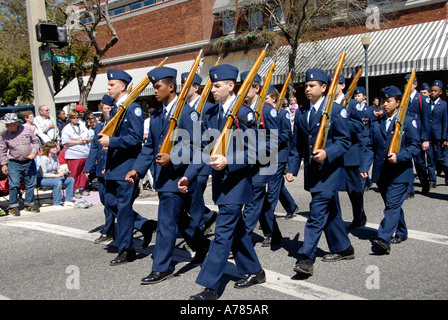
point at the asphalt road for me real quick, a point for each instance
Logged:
(51, 256)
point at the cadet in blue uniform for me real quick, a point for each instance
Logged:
(199, 212)
(419, 108)
(122, 150)
(438, 152)
(368, 115)
(231, 190)
(97, 160)
(267, 156)
(169, 168)
(276, 186)
(324, 173)
(425, 89)
(352, 158)
(392, 172)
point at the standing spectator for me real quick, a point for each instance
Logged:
(75, 137)
(82, 114)
(51, 175)
(20, 145)
(293, 106)
(47, 125)
(146, 125)
(62, 119)
(28, 116)
(91, 123)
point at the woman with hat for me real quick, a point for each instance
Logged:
(75, 137)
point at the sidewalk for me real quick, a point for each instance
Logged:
(44, 201)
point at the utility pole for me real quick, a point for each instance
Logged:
(40, 59)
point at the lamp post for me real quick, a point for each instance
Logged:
(365, 39)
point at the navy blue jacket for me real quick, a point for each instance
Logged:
(126, 145)
(166, 178)
(330, 174)
(97, 156)
(233, 184)
(439, 121)
(383, 170)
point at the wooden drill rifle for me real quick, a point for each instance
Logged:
(322, 134)
(264, 92)
(395, 143)
(221, 141)
(205, 92)
(168, 142)
(352, 88)
(132, 94)
(283, 92)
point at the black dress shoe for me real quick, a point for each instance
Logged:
(147, 230)
(207, 294)
(347, 254)
(290, 215)
(397, 240)
(156, 277)
(251, 279)
(304, 266)
(124, 257)
(379, 246)
(103, 238)
(358, 223)
(200, 254)
(432, 186)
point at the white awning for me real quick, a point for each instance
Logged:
(223, 5)
(70, 93)
(420, 47)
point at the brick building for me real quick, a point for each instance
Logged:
(409, 35)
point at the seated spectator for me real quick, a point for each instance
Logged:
(52, 175)
(20, 145)
(75, 138)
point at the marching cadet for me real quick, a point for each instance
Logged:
(276, 186)
(173, 206)
(368, 115)
(122, 150)
(425, 89)
(199, 212)
(392, 172)
(97, 160)
(324, 173)
(231, 190)
(352, 158)
(437, 152)
(263, 170)
(420, 109)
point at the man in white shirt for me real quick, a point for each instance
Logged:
(47, 125)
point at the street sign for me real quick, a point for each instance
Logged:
(63, 59)
(45, 55)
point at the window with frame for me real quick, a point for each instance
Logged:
(228, 23)
(255, 19)
(280, 14)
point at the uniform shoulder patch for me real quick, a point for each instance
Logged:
(250, 116)
(287, 115)
(273, 113)
(414, 123)
(343, 113)
(194, 116)
(138, 112)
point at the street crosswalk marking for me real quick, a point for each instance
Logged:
(412, 234)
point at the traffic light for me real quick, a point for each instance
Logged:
(52, 33)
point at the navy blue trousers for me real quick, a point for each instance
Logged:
(230, 234)
(325, 216)
(393, 195)
(119, 199)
